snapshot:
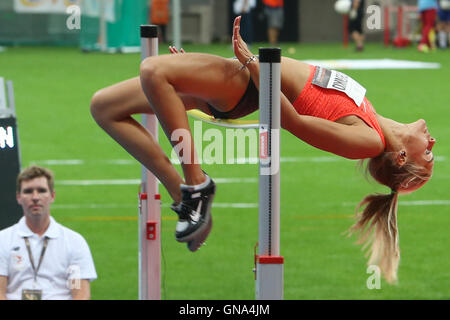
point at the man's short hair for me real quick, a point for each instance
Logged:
(33, 172)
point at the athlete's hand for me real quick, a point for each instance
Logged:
(240, 48)
(174, 50)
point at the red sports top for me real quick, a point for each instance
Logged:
(332, 104)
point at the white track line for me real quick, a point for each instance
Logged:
(78, 162)
(413, 203)
(223, 205)
(112, 182)
(118, 182)
(65, 162)
(425, 203)
(94, 206)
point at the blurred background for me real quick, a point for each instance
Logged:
(201, 21)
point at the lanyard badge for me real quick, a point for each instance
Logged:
(29, 294)
(34, 294)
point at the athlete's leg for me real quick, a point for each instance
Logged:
(112, 108)
(213, 79)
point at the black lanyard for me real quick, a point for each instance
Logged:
(35, 270)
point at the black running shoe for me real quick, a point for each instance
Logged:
(198, 241)
(194, 213)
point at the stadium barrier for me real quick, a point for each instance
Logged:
(10, 161)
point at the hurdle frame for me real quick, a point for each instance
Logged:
(149, 197)
(268, 261)
(399, 40)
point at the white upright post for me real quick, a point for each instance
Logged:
(176, 13)
(269, 262)
(149, 198)
(2, 94)
(103, 32)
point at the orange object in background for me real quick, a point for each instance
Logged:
(159, 12)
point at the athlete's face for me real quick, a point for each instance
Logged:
(419, 144)
(418, 147)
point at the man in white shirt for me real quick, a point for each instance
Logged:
(40, 258)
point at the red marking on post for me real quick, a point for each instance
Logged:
(151, 230)
(142, 196)
(270, 259)
(263, 145)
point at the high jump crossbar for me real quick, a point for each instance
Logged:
(227, 123)
(149, 198)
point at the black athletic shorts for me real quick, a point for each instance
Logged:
(356, 24)
(248, 104)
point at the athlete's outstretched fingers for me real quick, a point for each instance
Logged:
(175, 50)
(240, 48)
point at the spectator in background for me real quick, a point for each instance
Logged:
(159, 15)
(428, 12)
(274, 10)
(39, 258)
(443, 26)
(244, 9)
(355, 29)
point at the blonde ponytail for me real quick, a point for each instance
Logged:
(377, 222)
(377, 227)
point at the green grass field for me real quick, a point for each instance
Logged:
(53, 88)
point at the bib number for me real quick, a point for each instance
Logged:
(331, 79)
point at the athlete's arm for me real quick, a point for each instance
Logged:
(349, 141)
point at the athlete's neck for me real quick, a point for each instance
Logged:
(393, 131)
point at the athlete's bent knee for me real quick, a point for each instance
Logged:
(98, 106)
(152, 73)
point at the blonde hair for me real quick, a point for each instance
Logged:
(377, 222)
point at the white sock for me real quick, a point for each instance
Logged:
(197, 186)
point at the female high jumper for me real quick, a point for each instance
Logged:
(331, 118)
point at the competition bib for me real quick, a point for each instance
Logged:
(331, 79)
